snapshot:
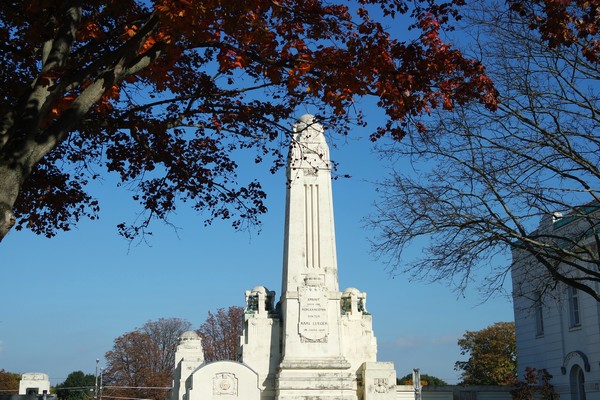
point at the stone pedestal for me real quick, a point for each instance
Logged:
(223, 380)
(261, 343)
(323, 378)
(378, 381)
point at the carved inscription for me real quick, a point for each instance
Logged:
(313, 323)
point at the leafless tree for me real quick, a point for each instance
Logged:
(221, 334)
(165, 334)
(480, 182)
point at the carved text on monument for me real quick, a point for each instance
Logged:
(313, 324)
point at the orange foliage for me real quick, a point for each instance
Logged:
(182, 84)
(90, 30)
(565, 22)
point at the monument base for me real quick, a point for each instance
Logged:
(322, 379)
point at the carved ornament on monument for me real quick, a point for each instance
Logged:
(381, 385)
(225, 383)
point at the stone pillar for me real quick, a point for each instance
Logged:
(378, 381)
(260, 342)
(188, 357)
(358, 341)
(312, 365)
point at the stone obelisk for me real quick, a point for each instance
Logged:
(312, 363)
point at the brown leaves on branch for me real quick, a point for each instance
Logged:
(565, 22)
(140, 364)
(536, 384)
(9, 382)
(164, 93)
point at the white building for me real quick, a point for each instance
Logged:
(558, 327)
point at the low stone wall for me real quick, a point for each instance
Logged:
(27, 397)
(455, 392)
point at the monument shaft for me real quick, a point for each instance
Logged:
(310, 301)
(309, 244)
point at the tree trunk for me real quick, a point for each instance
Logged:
(10, 183)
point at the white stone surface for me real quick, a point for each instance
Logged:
(34, 382)
(407, 392)
(313, 361)
(358, 341)
(379, 381)
(188, 357)
(223, 380)
(309, 240)
(260, 343)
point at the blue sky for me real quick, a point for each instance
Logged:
(66, 299)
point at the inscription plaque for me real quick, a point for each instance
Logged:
(313, 324)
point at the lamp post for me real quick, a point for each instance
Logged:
(96, 384)
(101, 373)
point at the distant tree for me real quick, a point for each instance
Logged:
(221, 334)
(535, 386)
(165, 334)
(426, 380)
(141, 363)
(9, 382)
(77, 386)
(492, 355)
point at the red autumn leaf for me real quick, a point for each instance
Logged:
(176, 87)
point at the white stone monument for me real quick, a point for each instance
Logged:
(318, 342)
(34, 383)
